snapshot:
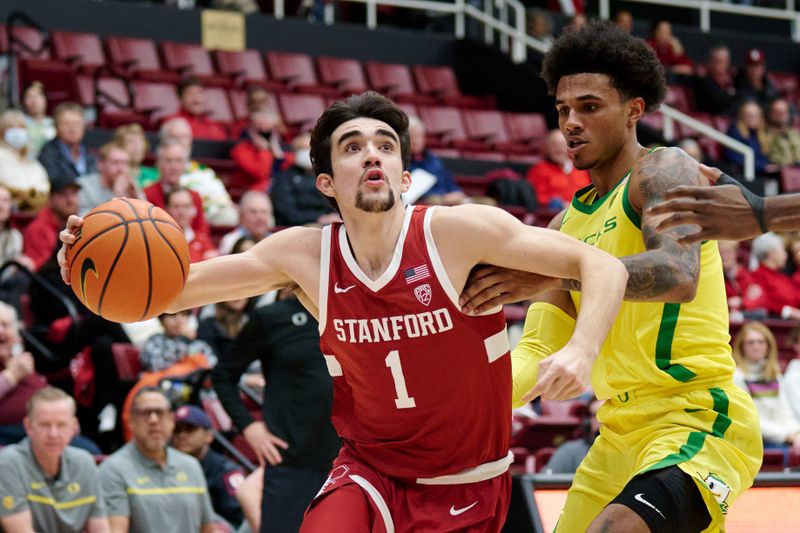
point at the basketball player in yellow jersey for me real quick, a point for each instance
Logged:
(678, 441)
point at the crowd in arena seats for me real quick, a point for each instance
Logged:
(48, 172)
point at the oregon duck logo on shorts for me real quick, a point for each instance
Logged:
(719, 489)
(8, 502)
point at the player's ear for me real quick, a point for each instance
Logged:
(406, 183)
(636, 108)
(325, 184)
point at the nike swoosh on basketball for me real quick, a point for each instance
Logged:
(86, 266)
(337, 290)
(640, 498)
(456, 512)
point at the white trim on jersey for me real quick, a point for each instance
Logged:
(334, 368)
(324, 270)
(438, 266)
(380, 503)
(391, 270)
(472, 475)
(497, 345)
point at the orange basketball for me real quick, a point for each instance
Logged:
(129, 262)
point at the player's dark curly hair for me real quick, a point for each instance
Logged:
(603, 48)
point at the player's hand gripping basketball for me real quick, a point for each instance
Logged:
(490, 286)
(563, 375)
(67, 237)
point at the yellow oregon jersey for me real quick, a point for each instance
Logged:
(652, 347)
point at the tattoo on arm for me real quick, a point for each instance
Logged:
(666, 265)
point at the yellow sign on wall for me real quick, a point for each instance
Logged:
(222, 30)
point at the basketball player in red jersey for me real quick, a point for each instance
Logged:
(422, 392)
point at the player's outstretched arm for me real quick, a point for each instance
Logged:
(498, 238)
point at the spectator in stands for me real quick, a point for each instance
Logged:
(67, 155)
(751, 129)
(555, 179)
(41, 236)
(41, 128)
(46, 484)
(180, 206)
(779, 294)
(255, 220)
(18, 378)
(25, 178)
(752, 82)
(259, 154)
(132, 138)
(294, 191)
(249, 495)
(743, 295)
(624, 20)
(193, 436)
(784, 147)
(12, 283)
(444, 189)
(171, 160)
(568, 456)
(217, 204)
(757, 373)
(295, 437)
(163, 350)
(194, 111)
(715, 92)
(669, 50)
(540, 25)
(112, 180)
(575, 22)
(150, 486)
(258, 100)
(791, 378)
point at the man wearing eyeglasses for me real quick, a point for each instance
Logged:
(149, 486)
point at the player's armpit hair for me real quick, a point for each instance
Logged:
(602, 48)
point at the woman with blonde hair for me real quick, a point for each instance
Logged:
(758, 373)
(25, 178)
(133, 139)
(750, 128)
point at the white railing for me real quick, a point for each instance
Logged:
(706, 7)
(520, 41)
(672, 115)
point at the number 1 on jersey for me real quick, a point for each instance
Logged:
(403, 400)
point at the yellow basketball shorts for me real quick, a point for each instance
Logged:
(712, 434)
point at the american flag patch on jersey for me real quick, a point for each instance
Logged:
(418, 273)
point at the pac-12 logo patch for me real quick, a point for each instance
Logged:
(423, 294)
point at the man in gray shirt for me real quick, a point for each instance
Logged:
(149, 486)
(45, 485)
(113, 179)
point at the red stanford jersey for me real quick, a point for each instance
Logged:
(420, 389)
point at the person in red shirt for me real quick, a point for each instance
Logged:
(41, 235)
(669, 50)
(180, 206)
(194, 110)
(743, 295)
(555, 179)
(171, 161)
(259, 154)
(781, 297)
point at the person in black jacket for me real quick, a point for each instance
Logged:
(295, 438)
(67, 156)
(295, 197)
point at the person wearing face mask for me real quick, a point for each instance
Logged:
(555, 179)
(25, 178)
(295, 196)
(260, 153)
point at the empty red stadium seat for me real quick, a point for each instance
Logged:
(191, 59)
(301, 111)
(245, 67)
(138, 58)
(218, 106)
(440, 82)
(24, 41)
(790, 179)
(346, 76)
(395, 81)
(411, 109)
(157, 100)
(774, 461)
(472, 185)
(83, 51)
(219, 418)
(528, 129)
(126, 359)
(296, 70)
(444, 127)
(60, 83)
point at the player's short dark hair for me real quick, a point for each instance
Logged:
(602, 48)
(368, 104)
(185, 83)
